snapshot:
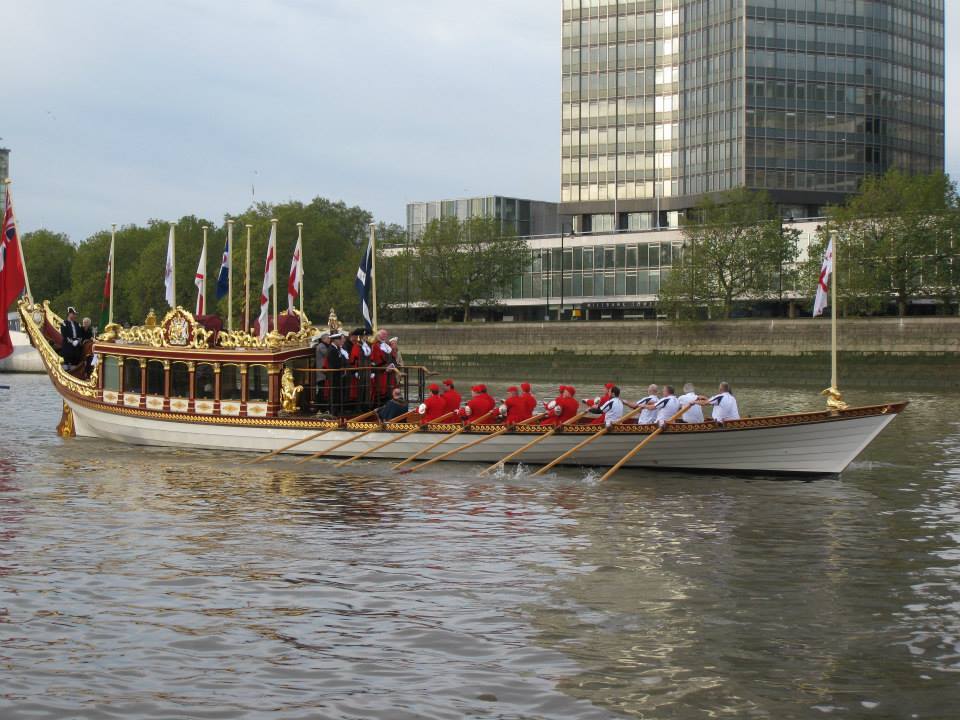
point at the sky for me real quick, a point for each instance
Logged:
(119, 111)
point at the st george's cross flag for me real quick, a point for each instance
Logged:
(200, 280)
(295, 279)
(223, 278)
(169, 276)
(823, 284)
(12, 278)
(269, 269)
(364, 285)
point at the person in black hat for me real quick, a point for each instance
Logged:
(359, 391)
(71, 346)
(337, 361)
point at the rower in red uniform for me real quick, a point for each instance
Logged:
(451, 396)
(598, 402)
(528, 397)
(434, 407)
(479, 406)
(553, 407)
(568, 404)
(514, 408)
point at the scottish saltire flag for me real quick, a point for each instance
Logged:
(823, 284)
(223, 279)
(364, 285)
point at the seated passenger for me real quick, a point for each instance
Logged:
(394, 408)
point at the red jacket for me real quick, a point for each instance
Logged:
(452, 398)
(479, 405)
(531, 401)
(436, 408)
(553, 418)
(569, 407)
(517, 409)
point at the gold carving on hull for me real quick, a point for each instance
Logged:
(834, 399)
(66, 428)
(289, 391)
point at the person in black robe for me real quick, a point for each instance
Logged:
(337, 362)
(72, 339)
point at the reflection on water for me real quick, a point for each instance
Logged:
(149, 582)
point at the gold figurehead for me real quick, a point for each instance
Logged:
(834, 399)
(289, 391)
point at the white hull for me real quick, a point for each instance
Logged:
(812, 444)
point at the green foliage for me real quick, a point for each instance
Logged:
(333, 234)
(467, 264)
(896, 239)
(736, 251)
(54, 255)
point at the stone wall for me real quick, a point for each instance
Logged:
(917, 353)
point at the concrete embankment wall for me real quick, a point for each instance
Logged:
(887, 352)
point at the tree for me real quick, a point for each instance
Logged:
(49, 260)
(734, 249)
(468, 264)
(895, 238)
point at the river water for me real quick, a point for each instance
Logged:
(156, 583)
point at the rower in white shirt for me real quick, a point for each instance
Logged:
(695, 413)
(648, 414)
(724, 404)
(612, 409)
(668, 406)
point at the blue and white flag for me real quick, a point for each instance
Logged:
(223, 279)
(364, 285)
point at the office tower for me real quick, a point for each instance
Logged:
(665, 101)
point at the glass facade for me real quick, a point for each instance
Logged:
(666, 100)
(524, 217)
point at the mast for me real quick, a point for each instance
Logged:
(229, 275)
(246, 286)
(203, 262)
(373, 272)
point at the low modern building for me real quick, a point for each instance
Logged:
(527, 218)
(606, 276)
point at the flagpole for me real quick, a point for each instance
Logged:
(300, 267)
(246, 286)
(373, 271)
(173, 263)
(23, 260)
(273, 231)
(833, 317)
(203, 256)
(113, 237)
(230, 276)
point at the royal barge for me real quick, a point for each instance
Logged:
(174, 382)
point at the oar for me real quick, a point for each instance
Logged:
(447, 454)
(261, 458)
(639, 447)
(393, 439)
(446, 437)
(343, 442)
(583, 443)
(540, 438)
